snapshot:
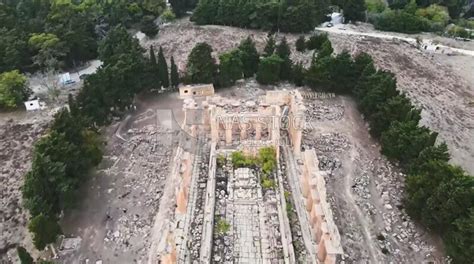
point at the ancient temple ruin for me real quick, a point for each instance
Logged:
(219, 213)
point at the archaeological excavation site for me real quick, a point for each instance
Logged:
(174, 138)
(241, 188)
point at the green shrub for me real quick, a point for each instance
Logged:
(400, 21)
(434, 13)
(24, 256)
(300, 44)
(222, 226)
(168, 15)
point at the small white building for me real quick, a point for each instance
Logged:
(32, 105)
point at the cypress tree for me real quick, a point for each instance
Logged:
(163, 69)
(269, 47)
(300, 44)
(174, 74)
(283, 51)
(152, 56)
(249, 57)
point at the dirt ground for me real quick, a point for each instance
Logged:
(365, 190)
(439, 84)
(18, 132)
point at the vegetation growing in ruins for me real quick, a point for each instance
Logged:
(222, 226)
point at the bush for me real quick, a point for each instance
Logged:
(434, 13)
(45, 230)
(400, 21)
(222, 226)
(168, 15)
(375, 6)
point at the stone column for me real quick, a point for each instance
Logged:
(243, 131)
(258, 130)
(228, 134)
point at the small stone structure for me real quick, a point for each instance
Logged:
(249, 125)
(193, 91)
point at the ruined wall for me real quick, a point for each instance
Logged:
(323, 228)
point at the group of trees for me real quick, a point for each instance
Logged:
(413, 16)
(63, 158)
(243, 62)
(45, 34)
(125, 72)
(61, 162)
(288, 16)
(233, 65)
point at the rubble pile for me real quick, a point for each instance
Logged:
(301, 254)
(198, 211)
(319, 110)
(145, 162)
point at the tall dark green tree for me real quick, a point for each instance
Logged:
(201, 67)
(179, 7)
(354, 10)
(148, 26)
(230, 68)
(300, 44)
(174, 74)
(269, 47)
(405, 140)
(269, 69)
(283, 51)
(45, 230)
(24, 256)
(298, 73)
(249, 57)
(163, 69)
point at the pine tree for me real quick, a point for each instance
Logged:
(283, 51)
(201, 67)
(152, 57)
(163, 69)
(230, 68)
(24, 256)
(174, 74)
(179, 7)
(300, 44)
(249, 57)
(269, 47)
(354, 10)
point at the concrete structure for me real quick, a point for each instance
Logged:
(32, 105)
